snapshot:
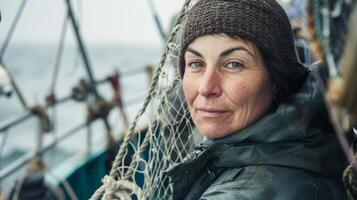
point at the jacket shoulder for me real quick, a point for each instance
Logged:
(272, 182)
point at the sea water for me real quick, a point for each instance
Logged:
(32, 66)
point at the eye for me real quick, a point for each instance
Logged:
(195, 64)
(235, 65)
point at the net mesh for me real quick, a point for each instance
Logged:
(138, 171)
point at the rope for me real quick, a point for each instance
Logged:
(134, 162)
(98, 193)
(12, 28)
(154, 82)
(14, 85)
(6, 44)
(115, 83)
(3, 142)
(41, 113)
(120, 188)
(83, 50)
(44, 125)
(4, 48)
(157, 20)
(109, 135)
(350, 182)
(89, 138)
(146, 140)
(114, 187)
(54, 116)
(57, 63)
(153, 86)
(132, 71)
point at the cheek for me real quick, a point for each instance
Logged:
(256, 91)
(239, 91)
(188, 89)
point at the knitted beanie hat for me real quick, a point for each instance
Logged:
(262, 22)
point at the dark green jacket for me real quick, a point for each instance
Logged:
(288, 154)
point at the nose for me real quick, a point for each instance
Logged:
(210, 85)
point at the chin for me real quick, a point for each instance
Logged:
(215, 132)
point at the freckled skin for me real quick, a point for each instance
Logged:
(223, 99)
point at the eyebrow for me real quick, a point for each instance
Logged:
(194, 52)
(240, 48)
(224, 53)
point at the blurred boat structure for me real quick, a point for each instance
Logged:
(78, 176)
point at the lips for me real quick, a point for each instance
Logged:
(211, 112)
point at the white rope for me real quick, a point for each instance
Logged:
(121, 189)
(144, 156)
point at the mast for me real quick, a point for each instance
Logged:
(83, 51)
(87, 63)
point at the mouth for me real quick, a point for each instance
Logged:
(211, 112)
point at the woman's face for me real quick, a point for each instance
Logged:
(226, 84)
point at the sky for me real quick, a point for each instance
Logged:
(102, 21)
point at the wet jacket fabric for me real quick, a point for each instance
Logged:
(290, 153)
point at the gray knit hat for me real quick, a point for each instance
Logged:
(263, 22)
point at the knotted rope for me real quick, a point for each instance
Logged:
(350, 182)
(121, 187)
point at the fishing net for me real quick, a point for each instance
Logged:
(138, 171)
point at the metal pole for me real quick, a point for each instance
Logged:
(24, 159)
(12, 28)
(30, 114)
(8, 170)
(15, 86)
(27, 115)
(82, 50)
(157, 20)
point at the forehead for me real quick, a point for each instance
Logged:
(219, 42)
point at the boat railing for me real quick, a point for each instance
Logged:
(148, 69)
(20, 162)
(97, 109)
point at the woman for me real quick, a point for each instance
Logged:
(266, 128)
